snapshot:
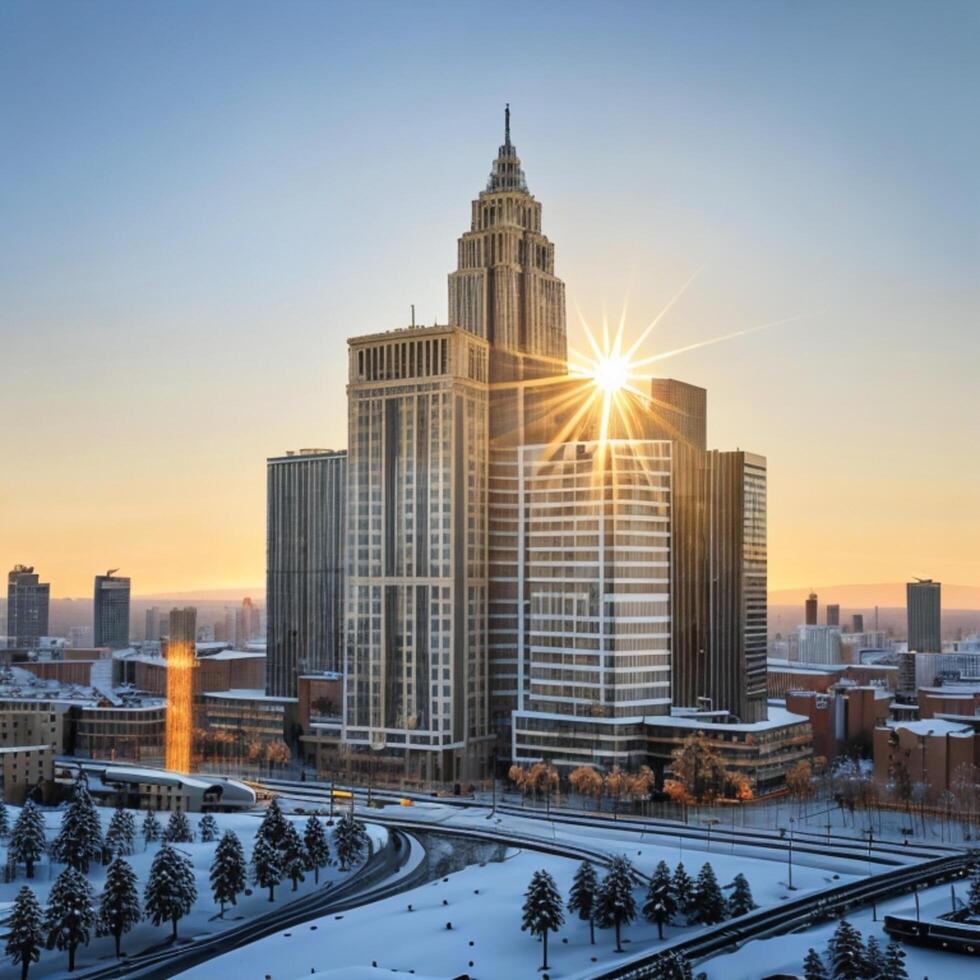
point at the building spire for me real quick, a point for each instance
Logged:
(507, 124)
(506, 174)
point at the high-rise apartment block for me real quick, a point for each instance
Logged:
(833, 614)
(857, 623)
(110, 604)
(306, 532)
(924, 609)
(154, 624)
(28, 599)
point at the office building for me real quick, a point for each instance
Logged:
(833, 614)
(154, 624)
(857, 623)
(248, 619)
(305, 533)
(818, 644)
(110, 604)
(810, 610)
(416, 658)
(923, 607)
(27, 607)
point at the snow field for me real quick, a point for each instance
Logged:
(203, 919)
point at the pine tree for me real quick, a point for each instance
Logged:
(151, 827)
(80, 839)
(973, 898)
(70, 915)
(266, 866)
(685, 894)
(25, 938)
(27, 844)
(349, 841)
(813, 968)
(178, 829)
(120, 838)
(874, 960)
(710, 903)
(847, 953)
(228, 870)
(170, 889)
(615, 905)
(582, 897)
(894, 963)
(208, 829)
(660, 906)
(293, 856)
(740, 901)
(317, 847)
(273, 826)
(542, 910)
(119, 903)
(4, 820)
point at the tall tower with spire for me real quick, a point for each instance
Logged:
(505, 289)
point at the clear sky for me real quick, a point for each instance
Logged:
(199, 203)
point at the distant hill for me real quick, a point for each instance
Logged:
(886, 594)
(257, 592)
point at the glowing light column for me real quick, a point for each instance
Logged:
(180, 667)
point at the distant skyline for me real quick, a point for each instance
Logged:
(202, 202)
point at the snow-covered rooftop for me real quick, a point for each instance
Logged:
(248, 694)
(931, 726)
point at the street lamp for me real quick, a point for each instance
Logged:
(710, 822)
(789, 860)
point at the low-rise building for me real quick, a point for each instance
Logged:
(931, 751)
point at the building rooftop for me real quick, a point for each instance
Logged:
(932, 726)
(247, 694)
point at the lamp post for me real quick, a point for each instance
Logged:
(789, 858)
(710, 822)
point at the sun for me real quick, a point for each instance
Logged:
(611, 373)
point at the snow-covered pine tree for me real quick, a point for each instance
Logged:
(874, 959)
(710, 904)
(179, 829)
(119, 903)
(120, 838)
(293, 856)
(80, 839)
(684, 892)
(895, 962)
(151, 827)
(266, 866)
(170, 890)
(615, 905)
(350, 840)
(4, 820)
(317, 847)
(208, 829)
(973, 897)
(273, 826)
(813, 968)
(25, 936)
(740, 901)
(27, 844)
(582, 897)
(847, 953)
(70, 915)
(542, 910)
(660, 906)
(229, 872)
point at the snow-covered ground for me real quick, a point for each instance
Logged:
(784, 954)
(483, 904)
(203, 919)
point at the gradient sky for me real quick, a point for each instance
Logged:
(199, 203)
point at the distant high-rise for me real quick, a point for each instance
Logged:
(305, 532)
(923, 607)
(110, 604)
(857, 623)
(247, 620)
(810, 610)
(27, 606)
(183, 626)
(153, 630)
(833, 614)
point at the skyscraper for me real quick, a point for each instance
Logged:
(833, 614)
(153, 630)
(810, 610)
(305, 533)
(857, 623)
(110, 604)
(923, 607)
(416, 680)
(27, 606)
